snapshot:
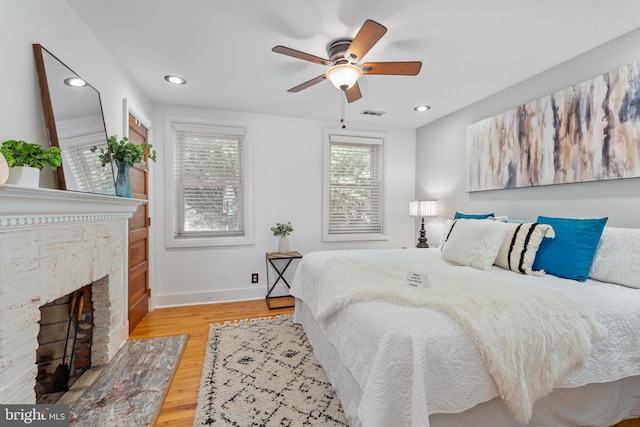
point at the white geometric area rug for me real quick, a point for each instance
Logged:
(262, 372)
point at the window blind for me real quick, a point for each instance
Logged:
(355, 185)
(208, 180)
(86, 171)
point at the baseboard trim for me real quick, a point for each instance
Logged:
(216, 296)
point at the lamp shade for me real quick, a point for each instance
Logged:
(423, 208)
(343, 76)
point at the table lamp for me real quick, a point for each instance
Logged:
(423, 208)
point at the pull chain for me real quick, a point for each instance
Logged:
(342, 109)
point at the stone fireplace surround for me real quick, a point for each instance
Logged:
(53, 242)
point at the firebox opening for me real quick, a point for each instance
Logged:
(64, 343)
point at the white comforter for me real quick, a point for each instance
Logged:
(411, 362)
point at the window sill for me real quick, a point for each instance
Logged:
(204, 242)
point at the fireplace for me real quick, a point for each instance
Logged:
(64, 342)
(52, 243)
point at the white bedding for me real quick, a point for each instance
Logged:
(428, 361)
(525, 355)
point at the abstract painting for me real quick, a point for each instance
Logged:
(587, 132)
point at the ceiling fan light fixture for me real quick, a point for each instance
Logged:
(343, 76)
(344, 55)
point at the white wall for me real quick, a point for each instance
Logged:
(288, 158)
(55, 26)
(441, 154)
(288, 187)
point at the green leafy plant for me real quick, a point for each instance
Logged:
(282, 229)
(20, 153)
(124, 151)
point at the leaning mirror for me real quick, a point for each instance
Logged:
(75, 123)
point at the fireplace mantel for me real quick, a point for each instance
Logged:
(25, 207)
(53, 242)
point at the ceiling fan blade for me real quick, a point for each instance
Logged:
(392, 68)
(369, 34)
(353, 93)
(301, 55)
(307, 84)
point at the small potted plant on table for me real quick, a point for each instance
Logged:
(282, 230)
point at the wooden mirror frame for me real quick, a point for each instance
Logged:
(71, 108)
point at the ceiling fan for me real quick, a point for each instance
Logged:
(345, 54)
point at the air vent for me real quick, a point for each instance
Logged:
(371, 113)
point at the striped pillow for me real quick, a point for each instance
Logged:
(521, 245)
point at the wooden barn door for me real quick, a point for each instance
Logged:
(139, 291)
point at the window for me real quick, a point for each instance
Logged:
(353, 194)
(209, 190)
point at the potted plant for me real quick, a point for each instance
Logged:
(125, 154)
(25, 160)
(282, 230)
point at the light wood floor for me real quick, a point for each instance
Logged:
(180, 402)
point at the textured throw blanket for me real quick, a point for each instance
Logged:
(528, 337)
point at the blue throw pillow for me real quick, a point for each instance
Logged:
(570, 254)
(459, 215)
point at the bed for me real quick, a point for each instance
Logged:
(402, 348)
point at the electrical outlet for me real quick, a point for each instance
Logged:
(254, 277)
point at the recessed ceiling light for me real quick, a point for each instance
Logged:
(75, 82)
(176, 80)
(421, 108)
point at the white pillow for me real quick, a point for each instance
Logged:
(617, 258)
(448, 223)
(474, 242)
(520, 246)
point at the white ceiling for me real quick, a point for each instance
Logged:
(469, 48)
